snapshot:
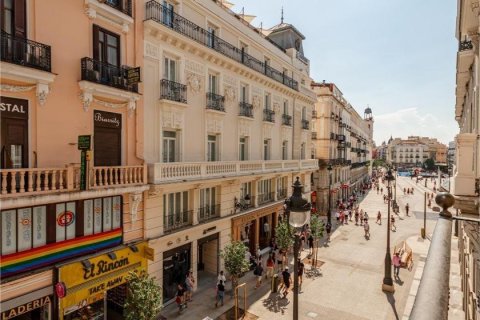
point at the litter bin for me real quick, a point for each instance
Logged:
(275, 283)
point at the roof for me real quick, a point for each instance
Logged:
(285, 26)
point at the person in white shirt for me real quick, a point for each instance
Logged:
(221, 277)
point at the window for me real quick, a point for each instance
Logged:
(212, 151)
(170, 69)
(265, 192)
(211, 35)
(243, 149)
(213, 83)
(169, 146)
(245, 189)
(302, 151)
(282, 187)
(285, 107)
(208, 197)
(266, 149)
(285, 150)
(175, 209)
(243, 46)
(268, 101)
(106, 46)
(304, 113)
(13, 17)
(168, 10)
(244, 93)
(267, 62)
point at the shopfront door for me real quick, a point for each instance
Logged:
(208, 254)
(176, 263)
(14, 133)
(107, 137)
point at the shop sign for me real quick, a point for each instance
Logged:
(27, 307)
(84, 142)
(90, 277)
(107, 119)
(133, 76)
(13, 107)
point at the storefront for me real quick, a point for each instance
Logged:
(36, 305)
(208, 250)
(257, 228)
(107, 135)
(96, 287)
(176, 263)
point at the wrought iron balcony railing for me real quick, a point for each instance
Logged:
(282, 193)
(167, 17)
(266, 197)
(173, 91)
(268, 115)
(314, 135)
(305, 124)
(177, 221)
(208, 213)
(465, 45)
(25, 52)
(340, 137)
(302, 58)
(333, 136)
(314, 114)
(215, 101)
(286, 120)
(246, 110)
(106, 74)
(124, 6)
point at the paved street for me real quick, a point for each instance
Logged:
(348, 285)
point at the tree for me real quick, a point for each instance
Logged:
(316, 230)
(233, 256)
(429, 164)
(144, 297)
(284, 236)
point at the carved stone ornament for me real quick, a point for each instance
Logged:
(244, 128)
(230, 94)
(267, 131)
(194, 82)
(135, 200)
(276, 107)
(90, 12)
(15, 88)
(214, 125)
(87, 99)
(256, 102)
(172, 120)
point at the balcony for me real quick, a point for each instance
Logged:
(265, 198)
(268, 115)
(106, 74)
(282, 193)
(39, 181)
(465, 45)
(340, 137)
(124, 6)
(246, 110)
(333, 136)
(177, 221)
(208, 213)
(215, 102)
(173, 91)
(25, 52)
(244, 204)
(314, 114)
(314, 135)
(286, 120)
(160, 173)
(305, 124)
(170, 19)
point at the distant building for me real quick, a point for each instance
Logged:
(414, 151)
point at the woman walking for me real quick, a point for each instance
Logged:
(379, 218)
(220, 293)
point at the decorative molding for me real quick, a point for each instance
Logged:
(194, 67)
(230, 81)
(256, 102)
(15, 88)
(230, 93)
(87, 99)
(172, 119)
(244, 128)
(90, 12)
(256, 91)
(135, 199)
(214, 125)
(151, 50)
(42, 92)
(194, 81)
(267, 131)
(276, 107)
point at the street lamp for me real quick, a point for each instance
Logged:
(387, 278)
(329, 212)
(298, 209)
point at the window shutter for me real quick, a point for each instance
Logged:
(96, 54)
(20, 26)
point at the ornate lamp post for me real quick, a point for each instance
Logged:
(298, 211)
(387, 278)
(329, 212)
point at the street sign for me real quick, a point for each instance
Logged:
(84, 142)
(133, 76)
(83, 170)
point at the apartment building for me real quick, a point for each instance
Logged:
(466, 170)
(342, 141)
(226, 128)
(63, 211)
(415, 150)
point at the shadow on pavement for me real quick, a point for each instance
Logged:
(391, 301)
(275, 303)
(313, 273)
(399, 281)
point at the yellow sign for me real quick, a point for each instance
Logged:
(24, 308)
(149, 253)
(86, 281)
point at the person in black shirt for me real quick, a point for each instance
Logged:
(301, 268)
(286, 281)
(180, 299)
(310, 243)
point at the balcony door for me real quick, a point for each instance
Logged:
(107, 138)
(13, 17)
(106, 53)
(14, 133)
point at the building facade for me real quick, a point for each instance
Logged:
(65, 211)
(227, 129)
(466, 169)
(342, 141)
(415, 150)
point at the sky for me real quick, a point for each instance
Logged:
(396, 56)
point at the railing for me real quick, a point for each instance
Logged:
(246, 110)
(465, 45)
(101, 177)
(25, 52)
(166, 172)
(177, 221)
(215, 101)
(305, 124)
(124, 6)
(302, 58)
(173, 91)
(432, 299)
(167, 17)
(106, 74)
(33, 181)
(314, 135)
(332, 136)
(282, 193)
(268, 115)
(340, 137)
(266, 197)
(243, 204)
(286, 120)
(208, 213)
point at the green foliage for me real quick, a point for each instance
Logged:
(284, 235)
(316, 227)
(233, 256)
(144, 298)
(429, 164)
(379, 163)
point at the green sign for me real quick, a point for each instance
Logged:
(133, 76)
(83, 170)
(84, 142)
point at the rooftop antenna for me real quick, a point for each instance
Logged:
(281, 19)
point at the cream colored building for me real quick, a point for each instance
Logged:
(415, 150)
(227, 129)
(341, 139)
(466, 172)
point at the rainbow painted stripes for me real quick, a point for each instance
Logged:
(17, 263)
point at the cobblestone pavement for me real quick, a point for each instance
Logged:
(348, 284)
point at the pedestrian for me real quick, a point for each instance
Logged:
(259, 273)
(328, 228)
(396, 261)
(279, 260)
(221, 277)
(350, 214)
(220, 293)
(301, 268)
(270, 266)
(412, 191)
(180, 298)
(356, 217)
(286, 281)
(365, 216)
(379, 218)
(310, 244)
(302, 240)
(366, 228)
(392, 222)
(407, 208)
(404, 191)
(189, 285)
(381, 190)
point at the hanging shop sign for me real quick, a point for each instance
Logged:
(87, 280)
(133, 76)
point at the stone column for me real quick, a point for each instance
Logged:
(464, 176)
(195, 205)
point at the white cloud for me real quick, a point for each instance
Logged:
(410, 122)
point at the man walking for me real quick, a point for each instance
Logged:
(396, 261)
(379, 218)
(286, 281)
(407, 207)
